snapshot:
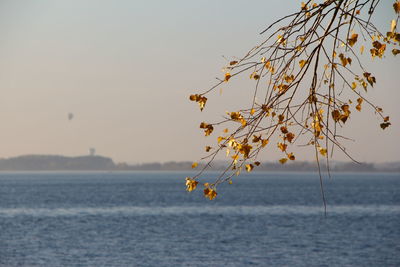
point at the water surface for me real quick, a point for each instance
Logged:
(148, 219)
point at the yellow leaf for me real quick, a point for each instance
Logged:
(249, 167)
(208, 128)
(202, 102)
(323, 151)
(362, 49)
(194, 165)
(283, 160)
(370, 79)
(282, 146)
(291, 156)
(353, 39)
(272, 70)
(225, 130)
(343, 59)
(252, 111)
(227, 76)
(359, 101)
(227, 152)
(353, 85)
(264, 142)
(302, 63)
(289, 79)
(255, 76)
(235, 158)
(191, 184)
(210, 193)
(235, 116)
(193, 97)
(393, 25)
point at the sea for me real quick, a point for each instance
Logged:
(149, 219)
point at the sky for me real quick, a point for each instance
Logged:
(125, 70)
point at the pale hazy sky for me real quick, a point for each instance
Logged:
(125, 70)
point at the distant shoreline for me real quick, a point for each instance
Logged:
(56, 163)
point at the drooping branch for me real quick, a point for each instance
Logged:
(302, 72)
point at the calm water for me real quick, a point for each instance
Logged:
(147, 219)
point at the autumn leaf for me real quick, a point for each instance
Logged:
(353, 39)
(343, 59)
(199, 99)
(393, 25)
(235, 158)
(249, 167)
(235, 116)
(282, 146)
(323, 151)
(255, 76)
(208, 128)
(209, 193)
(208, 148)
(302, 63)
(256, 138)
(289, 136)
(191, 184)
(395, 52)
(245, 150)
(396, 7)
(289, 79)
(384, 125)
(234, 62)
(359, 101)
(227, 76)
(281, 117)
(336, 115)
(371, 79)
(264, 142)
(283, 160)
(378, 50)
(193, 97)
(284, 130)
(194, 165)
(291, 156)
